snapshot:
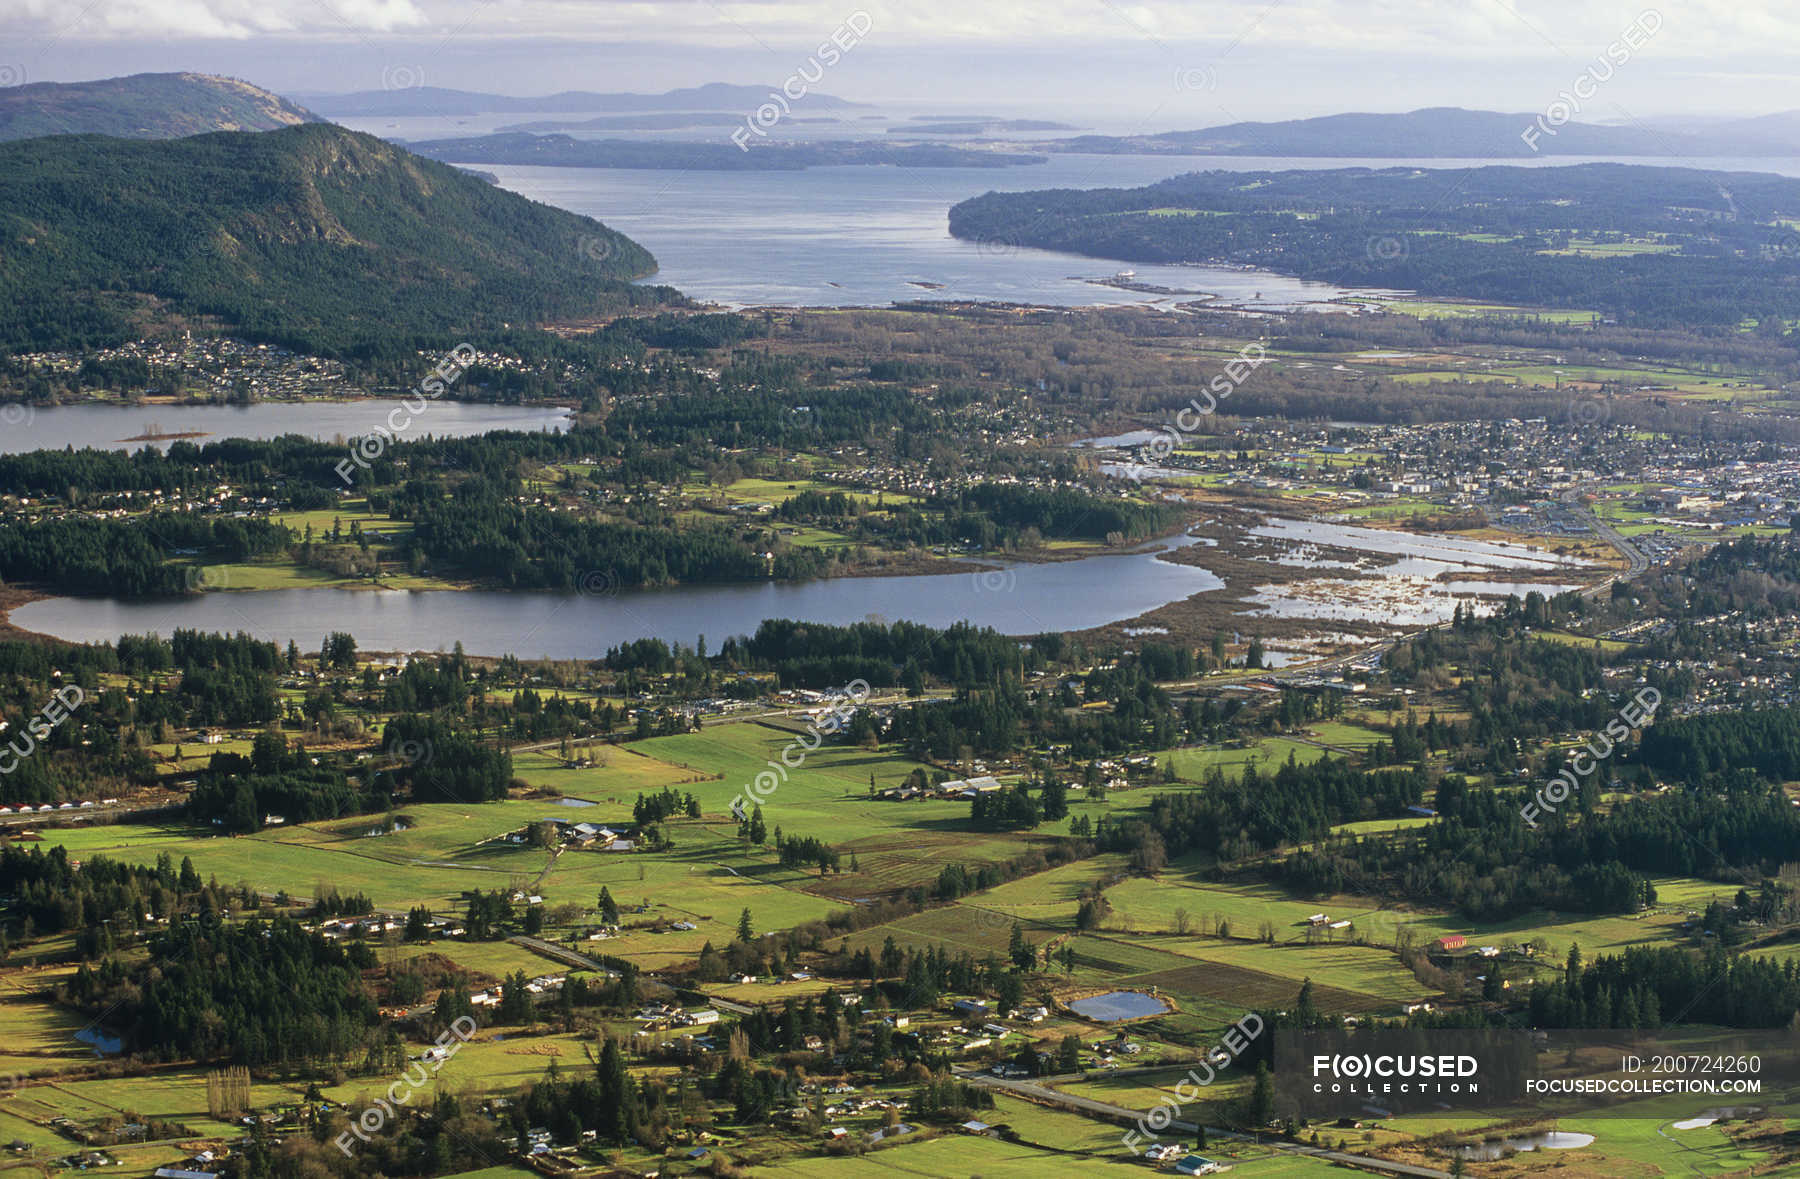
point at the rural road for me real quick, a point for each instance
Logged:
(558, 953)
(1117, 1113)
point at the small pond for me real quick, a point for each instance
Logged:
(1497, 1148)
(1118, 1006)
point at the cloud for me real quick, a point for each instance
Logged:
(202, 19)
(1552, 30)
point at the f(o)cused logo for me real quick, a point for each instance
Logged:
(597, 583)
(410, 753)
(1589, 411)
(1203, 78)
(995, 581)
(1388, 248)
(402, 77)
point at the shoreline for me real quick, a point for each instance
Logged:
(11, 598)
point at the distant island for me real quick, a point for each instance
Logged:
(1657, 245)
(926, 126)
(144, 106)
(1448, 132)
(562, 151)
(435, 100)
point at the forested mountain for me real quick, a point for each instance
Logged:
(314, 237)
(1438, 133)
(1663, 246)
(436, 100)
(144, 106)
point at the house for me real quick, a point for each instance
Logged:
(981, 1128)
(705, 1015)
(1451, 942)
(1195, 1164)
(969, 1007)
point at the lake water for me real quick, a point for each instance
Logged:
(1018, 599)
(1117, 1006)
(108, 426)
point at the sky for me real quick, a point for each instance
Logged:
(1111, 64)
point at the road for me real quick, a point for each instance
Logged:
(558, 953)
(1033, 1091)
(1629, 551)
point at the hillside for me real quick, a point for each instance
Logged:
(1434, 133)
(144, 106)
(1662, 245)
(313, 236)
(434, 100)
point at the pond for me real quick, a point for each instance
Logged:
(1118, 1006)
(1497, 1148)
(100, 1042)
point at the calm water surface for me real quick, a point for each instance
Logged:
(1015, 599)
(108, 426)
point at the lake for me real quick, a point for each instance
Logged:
(108, 426)
(1017, 599)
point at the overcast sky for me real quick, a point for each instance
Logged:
(1129, 65)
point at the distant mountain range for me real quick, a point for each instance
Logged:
(563, 151)
(312, 236)
(432, 100)
(144, 106)
(1451, 132)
